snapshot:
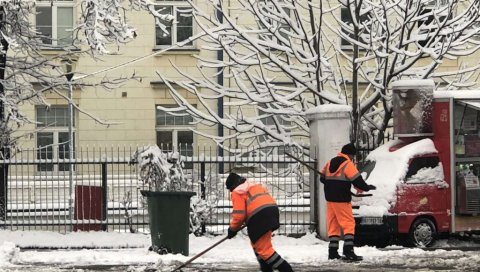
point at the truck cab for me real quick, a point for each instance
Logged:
(428, 178)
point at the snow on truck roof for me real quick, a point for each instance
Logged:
(413, 83)
(464, 94)
(406, 84)
(391, 165)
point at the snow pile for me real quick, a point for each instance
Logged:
(8, 252)
(390, 168)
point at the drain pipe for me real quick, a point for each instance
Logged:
(220, 133)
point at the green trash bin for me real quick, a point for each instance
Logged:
(169, 220)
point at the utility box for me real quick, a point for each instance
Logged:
(88, 206)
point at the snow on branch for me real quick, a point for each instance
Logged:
(282, 57)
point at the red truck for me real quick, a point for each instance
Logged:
(428, 178)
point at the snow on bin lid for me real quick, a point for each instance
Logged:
(413, 83)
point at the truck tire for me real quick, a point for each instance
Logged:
(422, 233)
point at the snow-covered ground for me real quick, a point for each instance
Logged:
(129, 252)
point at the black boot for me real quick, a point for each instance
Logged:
(284, 267)
(264, 267)
(349, 254)
(333, 254)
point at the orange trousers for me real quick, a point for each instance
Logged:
(340, 218)
(263, 246)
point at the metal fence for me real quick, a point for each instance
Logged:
(103, 192)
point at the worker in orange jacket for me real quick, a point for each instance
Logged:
(338, 175)
(256, 208)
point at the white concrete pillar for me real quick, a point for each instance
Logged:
(330, 127)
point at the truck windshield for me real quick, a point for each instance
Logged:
(366, 169)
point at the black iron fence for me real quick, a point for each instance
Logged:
(102, 190)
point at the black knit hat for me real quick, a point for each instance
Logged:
(349, 149)
(233, 180)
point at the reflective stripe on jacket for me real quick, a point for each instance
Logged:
(254, 206)
(338, 175)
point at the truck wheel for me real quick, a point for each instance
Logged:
(422, 233)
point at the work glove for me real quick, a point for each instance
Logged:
(371, 187)
(231, 233)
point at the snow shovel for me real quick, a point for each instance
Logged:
(199, 254)
(203, 252)
(318, 172)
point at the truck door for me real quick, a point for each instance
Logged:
(423, 192)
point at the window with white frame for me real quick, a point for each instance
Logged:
(177, 30)
(346, 18)
(54, 21)
(174, 131)
(52, 137)
(429, 24)
(476, 28)
(268, 120)
(274, 23)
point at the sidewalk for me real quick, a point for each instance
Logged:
(98, 251)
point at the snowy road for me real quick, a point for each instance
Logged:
(129, 252)
(385, 260)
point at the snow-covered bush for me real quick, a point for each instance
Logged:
(161, 172)
(200, 211)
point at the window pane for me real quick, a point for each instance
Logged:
(160, 117)
(61, 117)
(419, 163)
(45, 140)
(184, 33)
(185, 143)
(346, 18)
(165, 140)
(161, 37)
(180, 119)
(41, 117)
(185, 146)
(170, 120)
(44, 23)
(56, 116)
(285, 27)
(184, 24)
(64, 149)
(64, 25)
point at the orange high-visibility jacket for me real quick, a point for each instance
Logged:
(338, 175)
(254, 206)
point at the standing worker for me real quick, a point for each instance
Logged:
(338, 175)
(256, 208)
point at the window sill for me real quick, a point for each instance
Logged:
(159, 84)
(59, 50)
(349, 48)
(178, 51)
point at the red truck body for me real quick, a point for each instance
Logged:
(422, 210)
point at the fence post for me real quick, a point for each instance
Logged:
(5, 155)
(202, 189)
(315, 196)
(104, 195)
